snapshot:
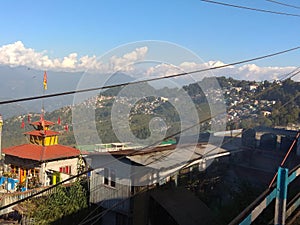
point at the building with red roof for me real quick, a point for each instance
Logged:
(43, 161)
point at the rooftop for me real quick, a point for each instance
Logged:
(41, 133)
(41, 153)
(39, 123)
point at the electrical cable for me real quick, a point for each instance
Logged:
(163, 156)
(265, 90)
(90, 89)
(49, 188)
(281, 3)
(181, 74)
(53, 186)
(147, 80)
(252, 9)
(99, 216)
(285, 157)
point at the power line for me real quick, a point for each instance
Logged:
(291, 74)
(288, 76)
(281, 3)
(285, 157)
(73, 177)
(45, 190)
(99, 216)
(252, 9)
(148, 80)
(283, 77)
(78, 175)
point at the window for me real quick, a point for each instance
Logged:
(65, 169)
(109, 177)
(113, 178)
(106, 181)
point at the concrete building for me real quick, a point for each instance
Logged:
(268, 138)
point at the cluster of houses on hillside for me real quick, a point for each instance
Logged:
(241, 105)
(237, 99)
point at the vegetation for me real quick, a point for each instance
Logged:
(65, 201)
(282, 114)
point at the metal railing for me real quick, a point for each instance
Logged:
(278, 191)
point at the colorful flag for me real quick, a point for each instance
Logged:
(66, 127)
(22, 124)
(45, 81)
(58, 121)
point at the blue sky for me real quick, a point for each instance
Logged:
(212, 31)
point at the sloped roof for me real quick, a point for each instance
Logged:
(41, 133)
(41, 153)
(39, 122)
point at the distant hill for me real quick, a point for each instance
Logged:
(20, 82)
(146, 109)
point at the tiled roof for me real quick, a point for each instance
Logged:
(45, 133)
(47, 123)
(41, 153)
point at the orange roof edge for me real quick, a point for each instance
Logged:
(42, 153)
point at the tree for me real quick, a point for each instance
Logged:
(63, 202)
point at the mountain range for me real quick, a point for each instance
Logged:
(21, 82)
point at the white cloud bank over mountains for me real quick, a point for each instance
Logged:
(17, 54)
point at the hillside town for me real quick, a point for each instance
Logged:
(43, 163)
(150, 112)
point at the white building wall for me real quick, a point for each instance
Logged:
(55, 165)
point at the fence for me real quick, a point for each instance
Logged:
(10, 198)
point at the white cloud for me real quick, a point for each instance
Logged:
(126, 62)
(254, 72)
(70, 61)
(16, 54)
(247, 72)
(163, 70)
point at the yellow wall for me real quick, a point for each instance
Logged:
(52, 140)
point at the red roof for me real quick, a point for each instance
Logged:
(45, 133)
(41, 153)
(39, 123)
